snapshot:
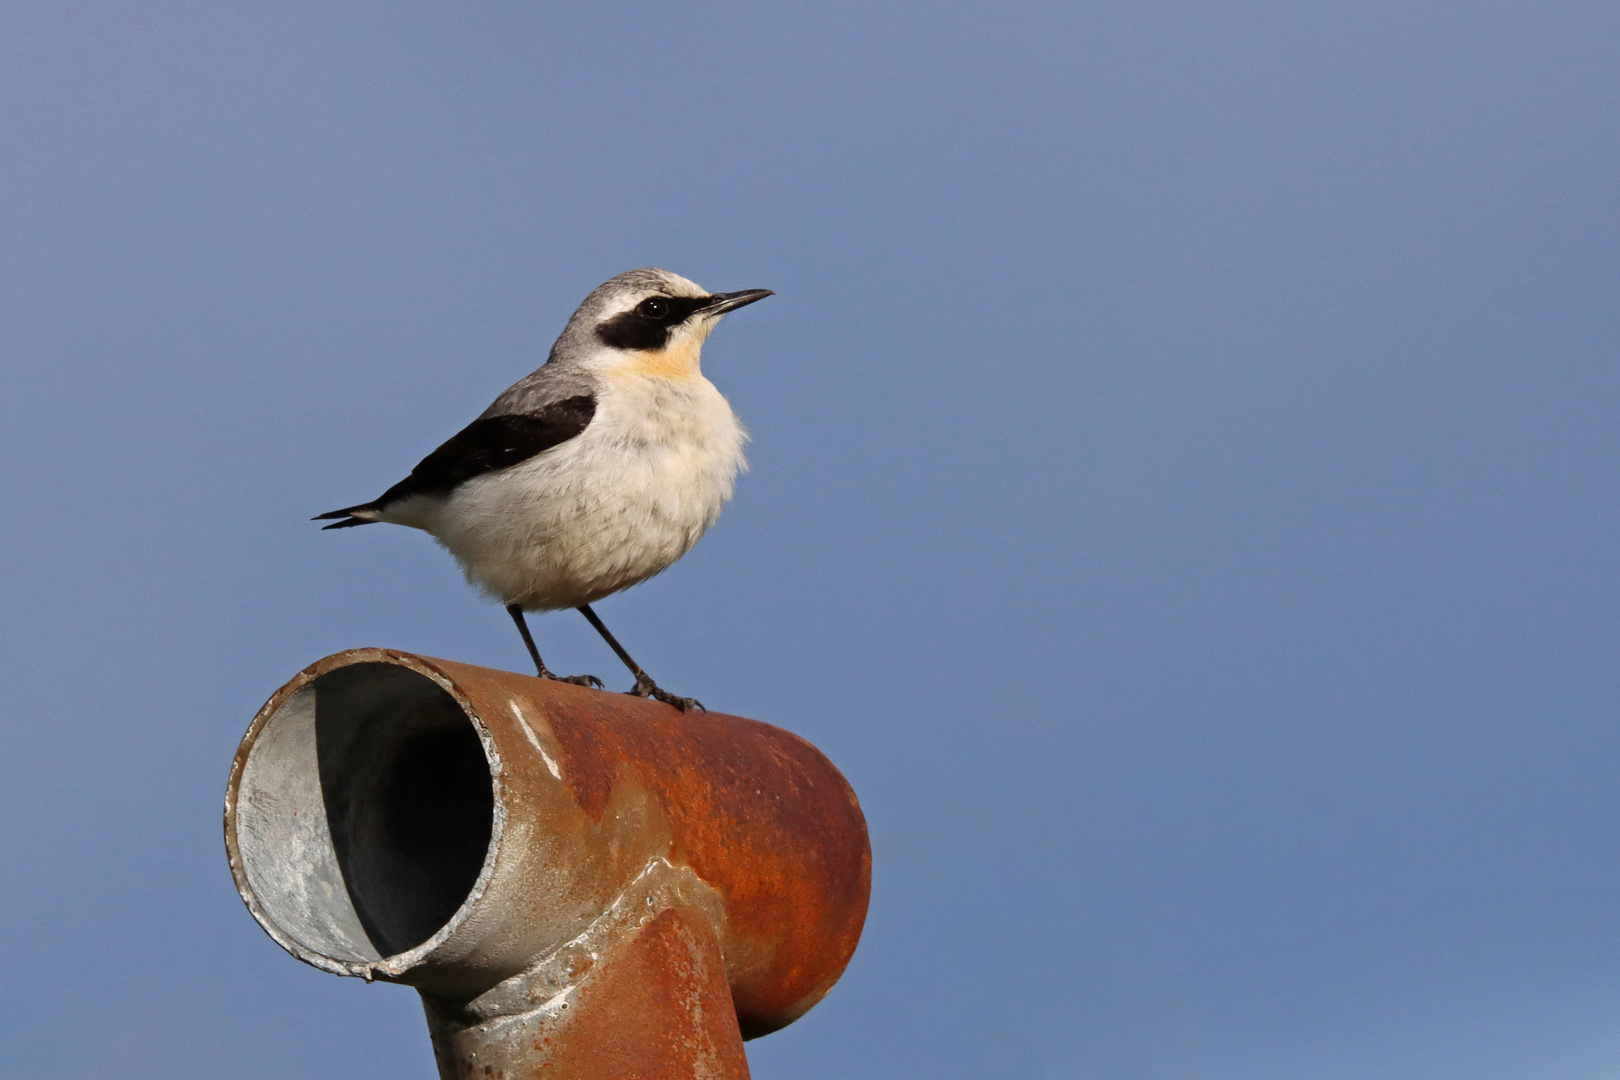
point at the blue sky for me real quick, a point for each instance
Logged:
(1183, 496)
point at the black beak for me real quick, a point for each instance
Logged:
(720, 303)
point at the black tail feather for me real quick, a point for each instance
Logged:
(349, 520)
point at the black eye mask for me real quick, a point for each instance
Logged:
(648, 324)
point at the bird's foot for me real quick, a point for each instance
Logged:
(645, 687)
(576, 680)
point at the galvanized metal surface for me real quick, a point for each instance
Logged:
(657, 1006)
(512, 846)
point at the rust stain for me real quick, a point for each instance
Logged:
(755, 810)
(659, 1010)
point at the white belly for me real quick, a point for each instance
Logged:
(605, 510)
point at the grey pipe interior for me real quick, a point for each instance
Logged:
(365, 812)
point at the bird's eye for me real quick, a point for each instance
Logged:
(654, 307)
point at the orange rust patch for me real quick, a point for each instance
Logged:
(657, 1008)
(758, 813)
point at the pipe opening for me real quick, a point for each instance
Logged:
(365, 812)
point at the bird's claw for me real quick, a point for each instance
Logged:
(645, 687)
(584, 680)
(575, 680)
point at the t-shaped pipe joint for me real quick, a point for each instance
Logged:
(578, 883)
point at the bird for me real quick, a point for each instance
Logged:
(591, 474)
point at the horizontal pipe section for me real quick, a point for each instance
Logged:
(510, 845)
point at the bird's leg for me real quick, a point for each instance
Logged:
(539, 664)
(644, 687)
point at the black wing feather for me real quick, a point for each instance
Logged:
(486, 445)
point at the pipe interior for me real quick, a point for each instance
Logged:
(365, 812)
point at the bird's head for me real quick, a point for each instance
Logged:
(649, 321)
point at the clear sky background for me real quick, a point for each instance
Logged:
(1183, 496)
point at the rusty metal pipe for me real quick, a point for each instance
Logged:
(578, 883)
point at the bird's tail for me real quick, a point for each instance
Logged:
(364, 514)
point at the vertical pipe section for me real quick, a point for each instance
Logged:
(574, 880)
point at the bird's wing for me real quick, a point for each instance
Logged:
(486, 445)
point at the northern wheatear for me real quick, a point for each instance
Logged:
(595, 472)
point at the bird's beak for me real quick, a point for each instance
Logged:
(720, 303)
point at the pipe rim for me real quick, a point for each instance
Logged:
(386, 967)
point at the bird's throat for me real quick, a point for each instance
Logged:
(677, 360)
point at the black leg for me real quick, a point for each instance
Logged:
(644, 687)
(534, 653)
